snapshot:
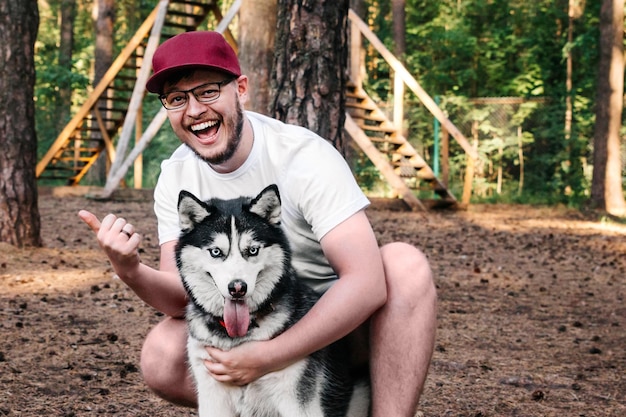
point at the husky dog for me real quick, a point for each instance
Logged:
(235, 263)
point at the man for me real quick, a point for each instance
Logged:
(228, 152)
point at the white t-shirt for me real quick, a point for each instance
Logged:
(317, 188)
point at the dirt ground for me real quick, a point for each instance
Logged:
(532, 319)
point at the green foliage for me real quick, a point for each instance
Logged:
(50, 75)
(460, 50)
(457, 50)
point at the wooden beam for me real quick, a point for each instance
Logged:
(108, 143)
(140, 146)
(398, 104)
(354, 70)
(136, 99)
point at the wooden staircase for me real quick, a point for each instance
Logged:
(397, 160)
(102, 116)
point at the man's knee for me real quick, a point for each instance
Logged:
(164, 344)
(164, 362)
(407, 272)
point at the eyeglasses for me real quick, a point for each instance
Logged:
(205, 93)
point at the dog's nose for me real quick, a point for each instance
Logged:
(237, 288)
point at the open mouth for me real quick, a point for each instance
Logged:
(205, 129)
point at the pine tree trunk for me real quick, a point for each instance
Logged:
(105, 19)
(66, 45)
(104, 25)
(606, 188)
(359, 7)
(19, 214)
(310, 65)
(399, 28)
(257, 29)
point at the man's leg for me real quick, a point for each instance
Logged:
(402, 332)
(164, 363)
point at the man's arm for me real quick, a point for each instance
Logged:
(161, 289)
(353, 252)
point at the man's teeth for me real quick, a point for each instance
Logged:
(202, 126)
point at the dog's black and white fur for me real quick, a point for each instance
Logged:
(235, 263)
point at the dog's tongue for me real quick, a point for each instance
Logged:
(236, 318)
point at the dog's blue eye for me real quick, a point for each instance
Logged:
(253, 250)
(215, 252)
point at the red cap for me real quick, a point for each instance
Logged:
(190, 50)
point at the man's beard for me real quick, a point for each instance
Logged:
(231, 144)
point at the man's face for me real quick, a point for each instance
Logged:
(213, 130)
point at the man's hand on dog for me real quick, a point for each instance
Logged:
(240, 365)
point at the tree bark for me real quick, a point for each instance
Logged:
(399, 28)
(19, 214)
(309, 75)
(257, 30)
(360, 8)
(66, 45)
(104, 19)
(606, 188)
(104, 15)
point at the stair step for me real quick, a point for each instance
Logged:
(92, 127)
(64, 168)
(107, 120)
(191, 3)
(112, 109)
(182, 26)
(69, 159)
(386, 140)
(68, 156)
(360, 105)
(406, 150)
(121, 110)
(367, 115)
(408, 163)
(183, 14)
(354, 95)
(130, 78)
(377, 128)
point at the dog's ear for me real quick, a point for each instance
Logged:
(267, 204)
(191, 211)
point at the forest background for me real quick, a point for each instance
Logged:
(531, 299)
(498, 68)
